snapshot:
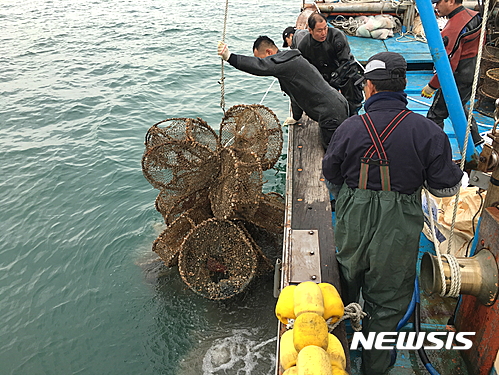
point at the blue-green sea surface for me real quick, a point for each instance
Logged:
(81, 82)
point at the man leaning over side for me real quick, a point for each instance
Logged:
(381, 160)
(298, 79)
(291, 36)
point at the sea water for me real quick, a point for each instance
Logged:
(80, 84)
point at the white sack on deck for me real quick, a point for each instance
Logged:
(443, 209)
(377, 27)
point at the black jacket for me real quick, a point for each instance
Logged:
(326, 56)
(301, 81)
(418, 150)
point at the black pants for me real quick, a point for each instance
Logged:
(464, 79)
(353, 94)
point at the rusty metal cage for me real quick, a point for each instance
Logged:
(211, 194)
(239, 185)
(180, 167)
(182, 129)
(491, 83)
(221, 267)
(169, 242)
(253, 128)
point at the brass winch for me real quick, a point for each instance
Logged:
(479, 275)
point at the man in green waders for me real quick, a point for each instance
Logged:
(380, 160)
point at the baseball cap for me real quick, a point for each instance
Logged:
(383, 64)
(287, 32)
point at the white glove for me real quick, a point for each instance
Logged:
(223, 51)
(289, 121)
(427, 91)
(465, 180)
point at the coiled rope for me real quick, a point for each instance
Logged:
(353, 312)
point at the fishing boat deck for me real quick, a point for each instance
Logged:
(415, 52)
(308, 209)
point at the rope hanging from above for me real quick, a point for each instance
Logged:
(222, 78)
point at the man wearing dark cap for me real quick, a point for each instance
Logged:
(461, 37)
(298, 79)
(380, 160)
(287, 36)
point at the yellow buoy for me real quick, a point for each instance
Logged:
(310, 329)
(313, 360)
(284, 308)
(333, 305)
(291, 371)
(308, 298)
(336, 352)
(338, 371)
(287, 351)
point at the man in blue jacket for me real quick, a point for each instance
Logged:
(298, 79)
(380, 160)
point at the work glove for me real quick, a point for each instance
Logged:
(289, 121)
(427, 91)
(223, 51)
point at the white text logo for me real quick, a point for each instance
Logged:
(412, 340)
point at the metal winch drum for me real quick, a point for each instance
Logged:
(479, 275)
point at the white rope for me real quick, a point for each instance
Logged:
(470, 115)
(410, 37)
(266, 92)
(435, 244)
(222, 78)
(353, 312)
(455, 272)
(455, 276)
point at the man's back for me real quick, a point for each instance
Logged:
(417, 150)
(300, 80)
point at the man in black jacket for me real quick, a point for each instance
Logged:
(298, 79)
(327, 49)
(381, 160)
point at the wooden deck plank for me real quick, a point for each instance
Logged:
(308, 208)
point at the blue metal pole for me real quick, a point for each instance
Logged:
(445, 75)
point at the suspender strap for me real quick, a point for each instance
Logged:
(378, 148)
(388, 129)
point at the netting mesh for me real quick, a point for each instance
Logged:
(180, 167)
(169, 242)
(172, 207)
(211, 197)
(182, 129)
(221, 267)
(238, 186)
(270, 213)
(255, 129)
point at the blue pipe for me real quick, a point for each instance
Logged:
(474, 244)
(410, 309)
(445, 75)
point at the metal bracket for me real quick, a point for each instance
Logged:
(305, 258)
(480, 179)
